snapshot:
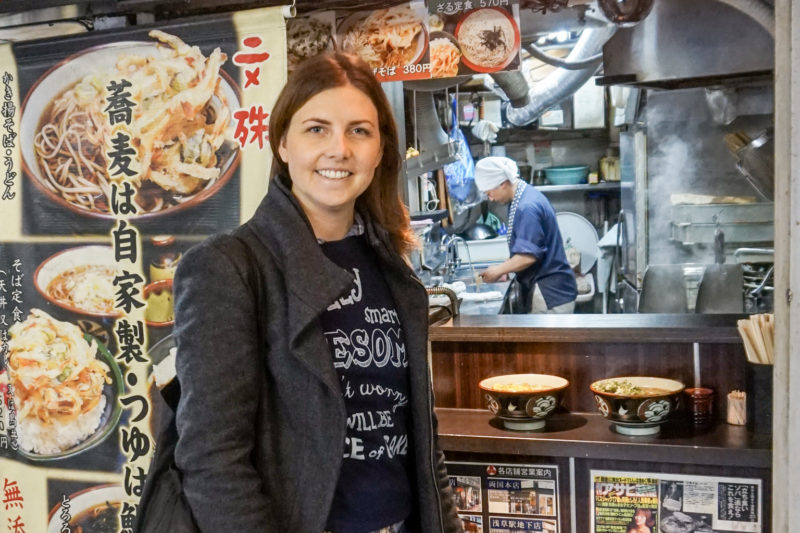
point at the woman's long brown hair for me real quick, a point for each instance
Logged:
(328, 71)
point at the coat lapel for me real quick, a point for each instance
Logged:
(312, 280)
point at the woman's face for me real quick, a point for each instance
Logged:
(640, 519)
(332, 148)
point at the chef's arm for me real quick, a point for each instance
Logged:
(515, 263)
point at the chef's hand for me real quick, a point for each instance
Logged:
(492, 274)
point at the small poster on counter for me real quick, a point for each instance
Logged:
(505, 498)
(638, 502)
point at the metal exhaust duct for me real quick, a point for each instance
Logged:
(558, 85)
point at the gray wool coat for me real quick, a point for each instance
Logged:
(261, 420)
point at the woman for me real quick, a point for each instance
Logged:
(306, 403)
(642, 521)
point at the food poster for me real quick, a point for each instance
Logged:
(393, 40)
(121, 150)
(505, 498)
(473, 36)
(674, 503)
(309, 35)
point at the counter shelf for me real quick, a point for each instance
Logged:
(590, 436)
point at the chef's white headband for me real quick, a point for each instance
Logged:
(493, 171)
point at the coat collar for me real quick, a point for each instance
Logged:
(315, 281)
(281, 224)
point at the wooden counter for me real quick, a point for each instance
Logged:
(583, 349)
(590, 436)
(639, 328)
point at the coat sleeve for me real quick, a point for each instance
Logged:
(219, 370)
(452, 523)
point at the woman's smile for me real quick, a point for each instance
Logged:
(332, 151)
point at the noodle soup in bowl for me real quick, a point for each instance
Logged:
(185, 153)
(637, 405)
(390, 37)
(92, 510)
(80, 280)
(523, 401)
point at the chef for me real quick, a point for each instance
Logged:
(534, 241)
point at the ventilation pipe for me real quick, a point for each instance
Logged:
(428, 128)
(558, 85)
(760, 12)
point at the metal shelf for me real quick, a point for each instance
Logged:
(587, 187)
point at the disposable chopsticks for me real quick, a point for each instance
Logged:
(758, 336)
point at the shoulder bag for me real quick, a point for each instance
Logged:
(163, 507)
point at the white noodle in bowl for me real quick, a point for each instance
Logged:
(488, 38)
(80, 280)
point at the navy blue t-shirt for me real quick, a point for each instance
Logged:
(367, 343)
(536, 233)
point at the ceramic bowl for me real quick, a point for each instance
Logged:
(71, 259)
(92, 506)
(523, 401)
(98, 60)
(637, 405)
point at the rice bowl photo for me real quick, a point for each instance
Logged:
(180, 125)
(445, 55)
(489, 39)
(65, 395)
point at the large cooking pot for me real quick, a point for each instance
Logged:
(479, 232)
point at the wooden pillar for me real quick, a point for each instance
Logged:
(786, 429)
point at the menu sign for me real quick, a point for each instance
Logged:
(121, 150)
(473, 36)
(623, 502)
(394, 40)
(505, 498)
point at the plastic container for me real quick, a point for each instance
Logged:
(567, 175)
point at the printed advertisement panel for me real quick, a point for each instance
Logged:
(636, 502)
(121, 150)
(495, 497)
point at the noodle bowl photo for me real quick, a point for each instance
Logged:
(92, 510)
(180, 125)
(489, 39)
(391, 37)
(80, 280)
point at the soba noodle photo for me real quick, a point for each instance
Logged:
(386, 37)
(178, 125)
(487, 38)
(445, 57)
(87, 287)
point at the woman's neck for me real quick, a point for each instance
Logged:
(331, 226)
